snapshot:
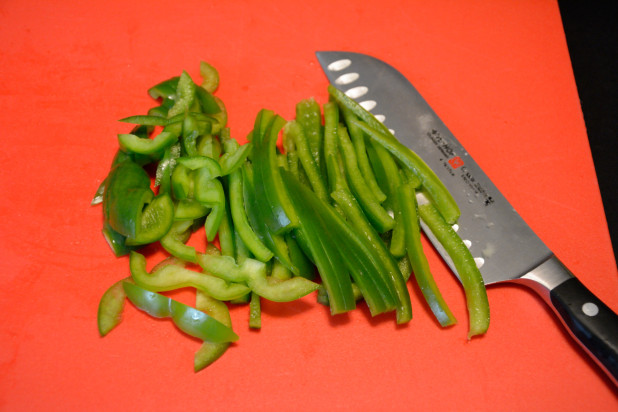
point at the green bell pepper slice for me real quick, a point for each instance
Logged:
(393, 277)
(210, 77)
(156, 220)
(469, 274)
(309, 118)
(111, 306)
(253, 272)
(174, 276)
(165, 90)
(376, 214)
(209, 352)
(294, 131)
(174, 242)
(135, 144)
(272, 198)
(185, 95)
(420, 266)
(241, 222)
(188, 319)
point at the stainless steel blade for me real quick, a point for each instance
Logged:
(503, 245)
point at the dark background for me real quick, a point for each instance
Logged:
(591, 35)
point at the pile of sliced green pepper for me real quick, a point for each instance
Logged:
(333, 209)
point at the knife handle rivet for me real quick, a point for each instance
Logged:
(479, 262)
(339, 65)
(347, 78)
(590, 309)
(380, 118)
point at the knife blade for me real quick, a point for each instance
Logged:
(505, 248)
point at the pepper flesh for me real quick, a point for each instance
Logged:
(188, 319)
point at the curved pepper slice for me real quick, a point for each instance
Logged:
(420, 266)
(130, 208)
(188, 319)
(391, 272)
(253, 272)
(210, 77)
(111, 306)
(273, 201)
(471, 278)
(309, 156)
(157, 219)
(241, 222)
(185, 95)
(376, 214)
(173, 276)
(211, 351)
(174, 241)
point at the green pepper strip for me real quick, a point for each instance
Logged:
(210, 77)
(336, 178)
(209, 352)
(272, 198)
(430, 182)
(185, 95)
(174, 241)
(387, 174)
(255, 312)
(129, 208)
(309, 118)
(338, 250)
(289, 146)
(116, 241)
(165, 167)
(173, 277)
(111, 306)
(294, 131)
(189, 209)
(391, 271)
(299, 260)
(253, 272)
(226, 233)
(165, 90)
(233, 161)
(420, 266)
(135, 144)
(469, 274)
(358, 141)
(155, 222)
(207, 101)
(209, 146)
(279, 272)
(188, 319)
(241, 223)
(376, 214)
(209, 192)
(190, 134)
(220, 117)
(275, 243)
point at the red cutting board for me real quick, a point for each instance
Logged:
(499, 75)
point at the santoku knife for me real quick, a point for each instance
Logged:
(504, 246)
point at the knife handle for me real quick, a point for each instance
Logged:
(589, 321)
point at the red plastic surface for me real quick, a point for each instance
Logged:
(497, 72)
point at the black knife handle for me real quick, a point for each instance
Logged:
(590, 322)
